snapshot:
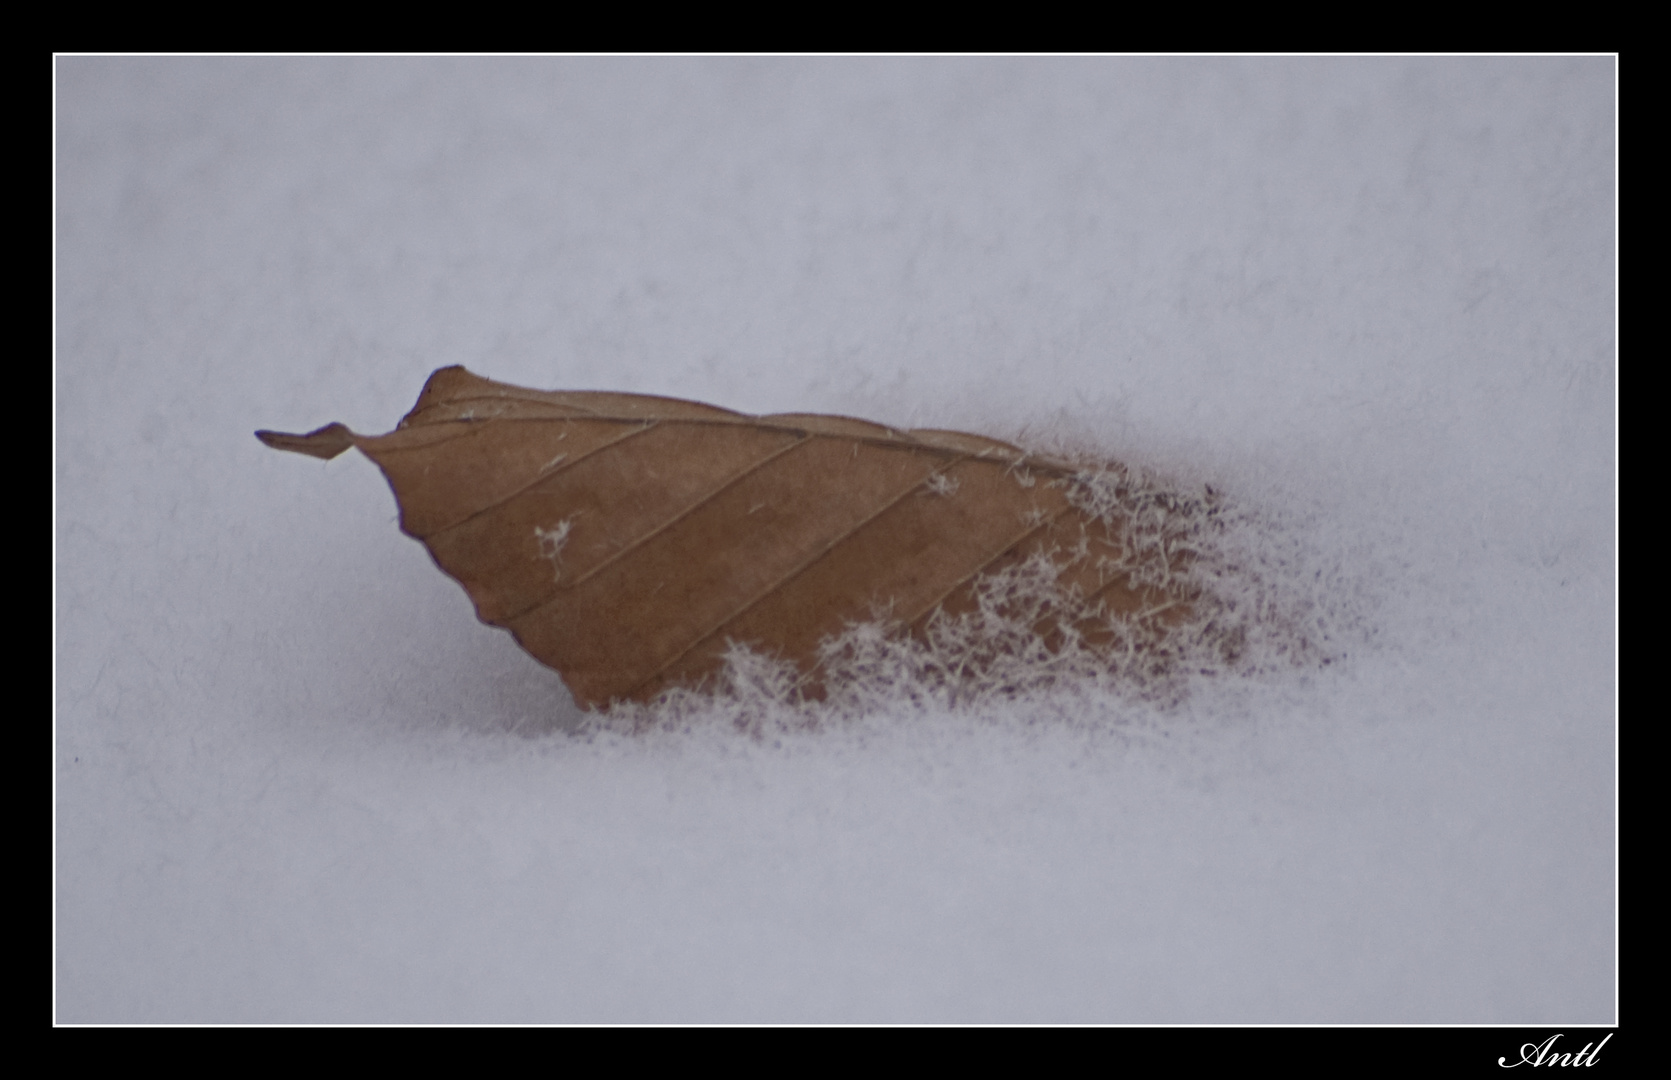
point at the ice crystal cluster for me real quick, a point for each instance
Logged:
(1243, 596)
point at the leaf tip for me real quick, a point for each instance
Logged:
(326, 442)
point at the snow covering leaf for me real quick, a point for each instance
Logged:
(635, 543)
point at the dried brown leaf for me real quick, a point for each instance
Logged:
(630, 541)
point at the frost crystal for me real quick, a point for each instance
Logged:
(1232, 595)
(551, 543)
(941, 484)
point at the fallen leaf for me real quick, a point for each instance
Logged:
(633, 542)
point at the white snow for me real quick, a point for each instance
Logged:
(1370, 300)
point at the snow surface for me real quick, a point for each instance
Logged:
(1372, 300)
